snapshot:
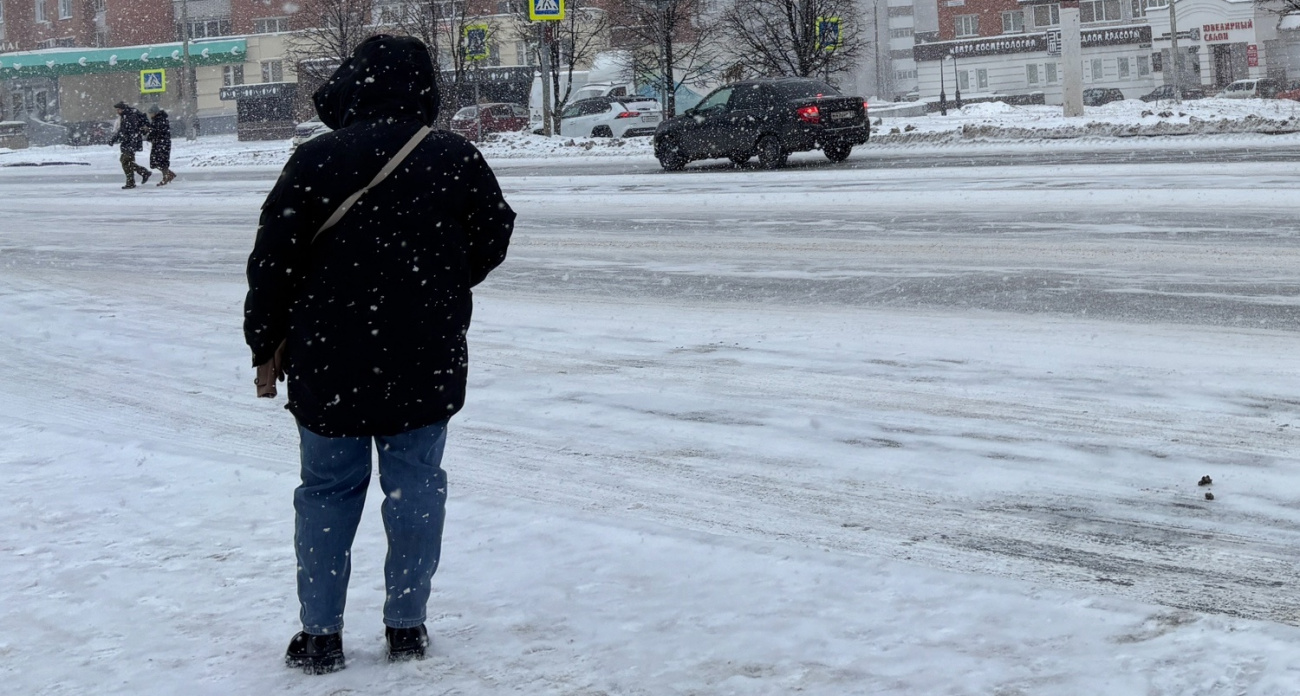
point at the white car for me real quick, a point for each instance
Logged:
(307, 130)
(1259, 88)
(611, 117)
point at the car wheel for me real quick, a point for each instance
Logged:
(838, 152)
(771, 153)
(670, 155)
(740, 159)
(602, 132)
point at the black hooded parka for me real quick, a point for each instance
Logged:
(376, 309)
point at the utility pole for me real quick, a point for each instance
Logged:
(189, 100)
(544, 42)
(1174, 58)
(1071, 59)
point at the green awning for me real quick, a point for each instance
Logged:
(84, 61)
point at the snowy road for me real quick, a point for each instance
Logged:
(962, 373)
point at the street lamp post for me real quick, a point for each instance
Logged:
(189, 100)
(956, 84)
(1173, 54)
(943, 97)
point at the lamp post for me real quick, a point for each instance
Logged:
(956, 84)
(1173, 54)
(190, 100)
(943, 97)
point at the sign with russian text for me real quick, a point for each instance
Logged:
(1252, 56)
(1222, 31)
(545, 10)
(153, 81)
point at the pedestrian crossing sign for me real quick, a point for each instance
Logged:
(828, 33)
(545, 10)
(153, 81)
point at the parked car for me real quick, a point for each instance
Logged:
(1292, 91)
(1259, 88)
(769, 117)
(500, 117)
(1167, 92)
(611, 117)
(307, 130)
(1096, 96)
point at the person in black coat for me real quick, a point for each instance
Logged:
(160, 144)
(130, 134)
(368, 321)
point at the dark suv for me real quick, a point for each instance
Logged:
(1096, 96)
(770, 118)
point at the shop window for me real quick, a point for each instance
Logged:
(1096, 70)
(1031, 74)
(963, 79)
(1143, 66)
(1121, 65)
(1049, 73)
(981, 79)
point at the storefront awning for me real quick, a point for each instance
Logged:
(83, 61)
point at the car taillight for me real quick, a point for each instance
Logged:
(809, 114)
(864, 104)
(628, 114)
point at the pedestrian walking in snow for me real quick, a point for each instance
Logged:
(365, 309)
(160, 144)
(130, 136)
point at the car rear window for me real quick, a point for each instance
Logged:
(467, 112)
(801, 89)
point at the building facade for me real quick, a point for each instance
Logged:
(1011, 48)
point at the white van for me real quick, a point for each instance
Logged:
(1258, 88)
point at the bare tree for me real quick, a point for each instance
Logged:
(783, 37)
(329, 30)
(1279, 7)
(441, 25)
(673, 43)
(574, 40)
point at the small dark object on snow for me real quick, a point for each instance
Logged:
(1209, 495)
(406, 643)
(1205, 481)
(316, 654)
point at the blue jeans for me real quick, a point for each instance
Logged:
(335, 476)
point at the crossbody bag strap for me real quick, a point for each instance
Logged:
(383, 174)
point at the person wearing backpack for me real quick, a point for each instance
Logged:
(130, 137)
(365, 309)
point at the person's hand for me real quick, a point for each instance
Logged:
(270, 372)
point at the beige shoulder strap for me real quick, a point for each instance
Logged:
(383, 174)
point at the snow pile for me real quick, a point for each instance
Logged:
(527, 145)
(998, 121)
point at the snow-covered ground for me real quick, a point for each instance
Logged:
(821, 431)
(1198, 123)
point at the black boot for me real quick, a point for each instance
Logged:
(406, 643)
(316, 654)
(144, 176)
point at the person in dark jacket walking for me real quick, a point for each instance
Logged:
(368, 320)
(160, 144)
(130, 134)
